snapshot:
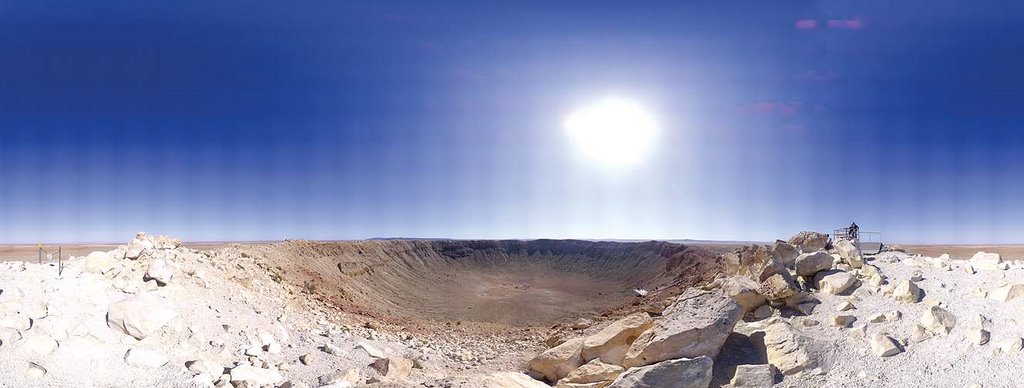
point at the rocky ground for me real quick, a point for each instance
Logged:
(810, 313)
(802, 313)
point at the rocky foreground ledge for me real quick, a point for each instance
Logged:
(802, 313)
(155, 313)
(811, 313)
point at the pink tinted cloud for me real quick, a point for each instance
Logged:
(845, 24)
(806, 24)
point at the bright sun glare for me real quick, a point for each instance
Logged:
(613, 131)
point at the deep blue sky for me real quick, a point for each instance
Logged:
(351, 119)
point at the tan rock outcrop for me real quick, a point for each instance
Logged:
(611, 343)
(139, 316)
(677, 373)
(557, 362)
(785, 348)
(697, 324)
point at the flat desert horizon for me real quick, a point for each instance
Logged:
(28, 252)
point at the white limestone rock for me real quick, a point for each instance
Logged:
(161, 271)
(977, 336)
(1007, 292)
(145, 358)
(99, 262)
(985, 261)
(697, 324)
(557, 362)
(611, 343)
(808, 264)
(906, 291)
(849, 253)
(139, 316)
(937, 320)
(834, 282)
(35, 371)
(884, 346)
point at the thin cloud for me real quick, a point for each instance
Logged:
(845, 24)
(806, 24)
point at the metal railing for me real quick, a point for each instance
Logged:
(862, 236)
(49, 258)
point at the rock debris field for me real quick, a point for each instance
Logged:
(806, 312)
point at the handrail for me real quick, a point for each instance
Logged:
(862, 236)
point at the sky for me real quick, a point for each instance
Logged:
(256, 120)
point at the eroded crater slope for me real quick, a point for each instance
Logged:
(507, 282)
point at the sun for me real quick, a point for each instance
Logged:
(613, 131)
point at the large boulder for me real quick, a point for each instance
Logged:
(809, 241)
(849, 253)
(884, 346)
(784, 252)
(678, 373)
(161, 271)
(19, 322)
(592, 372)
(139, 316)
(985, 261)
(871, 274)
(611, 343)
(697, 324)
(786, 348)
(140, 244)
(744, 291)
(557, 362)
(746, 261)
(808, 264)
(99, 262)
(1007, 292)
(906, 291)
(834, 282)
(937, 320)
(779, 286)
(760, 375)
(165, 242)
(776, 282)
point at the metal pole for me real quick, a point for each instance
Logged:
(60, 263)
(40, 253)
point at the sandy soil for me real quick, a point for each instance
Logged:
(941, 361)
(1011, 252)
